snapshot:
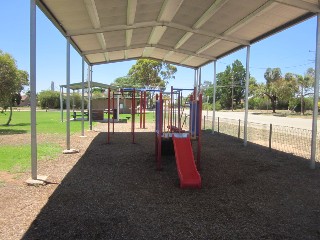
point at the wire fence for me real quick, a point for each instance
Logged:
(292, 140)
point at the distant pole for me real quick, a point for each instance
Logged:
(245, 137)
(33, 83)
(316, 99)
(61, 102)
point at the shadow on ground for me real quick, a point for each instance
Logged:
(11, 131)
(114, 192)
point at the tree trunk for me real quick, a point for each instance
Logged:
(10, 116)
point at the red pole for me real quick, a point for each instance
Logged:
(144, 108)
(179, 120)
(141, 93)
(108, 141)
(113, 112)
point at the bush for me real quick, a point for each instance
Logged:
(51, 99)
(208, 106)
(295, 104)
(259, 103)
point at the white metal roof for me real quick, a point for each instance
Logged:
(190, 33)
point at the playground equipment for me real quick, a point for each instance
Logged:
(169, 126)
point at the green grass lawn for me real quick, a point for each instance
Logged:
(149, 117)
(47, 122)
(16, 158)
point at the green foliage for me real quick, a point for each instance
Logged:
(295, 104)
(147, 72)
(124, 82)
(51, 99)
(207, 90)
(258, 102)
(232, 79)
(12, 81)
(208, 106)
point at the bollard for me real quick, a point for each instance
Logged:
(270, 137)
(239, 129)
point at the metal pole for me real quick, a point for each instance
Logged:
(214, 95)
(218, 126)
(108, 140)
(239, 128)
(245, 137)
(68, 93)
(316, 99)
(199, 81)
(270, 137)
(82, 99)
(118, 107)
(61, 103)
(89, 96)
(33, 81)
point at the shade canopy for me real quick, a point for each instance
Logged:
(190, 33)
(77, 86)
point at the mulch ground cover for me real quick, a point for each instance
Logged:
(113, 191)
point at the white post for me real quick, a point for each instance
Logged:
(61, 102)
(82, 100)
(316, 99)
(245, 137)
(214, 95)
(33, 82)
(89, 96)
(68, 92)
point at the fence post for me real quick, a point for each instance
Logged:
(218, 126)
(270, 137)
(204, 122)
(239, 129)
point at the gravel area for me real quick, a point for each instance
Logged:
(114, 192)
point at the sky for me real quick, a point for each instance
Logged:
(292, 50)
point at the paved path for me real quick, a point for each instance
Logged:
(265, 119)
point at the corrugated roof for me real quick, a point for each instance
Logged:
(190, 33)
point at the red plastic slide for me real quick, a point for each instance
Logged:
(187, 170)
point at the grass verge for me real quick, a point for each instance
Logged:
(17, 158)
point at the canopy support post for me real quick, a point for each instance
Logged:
(214, 95)
(316, 99)
(82, 99)
(35, 178)
(245, 137)
(68, 150)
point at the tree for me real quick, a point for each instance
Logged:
(305, 85)
(12, 81)
(151, 73)
(230, 85)
(148, 73)
(276, 88)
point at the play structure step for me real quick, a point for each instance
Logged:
(187, 170)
